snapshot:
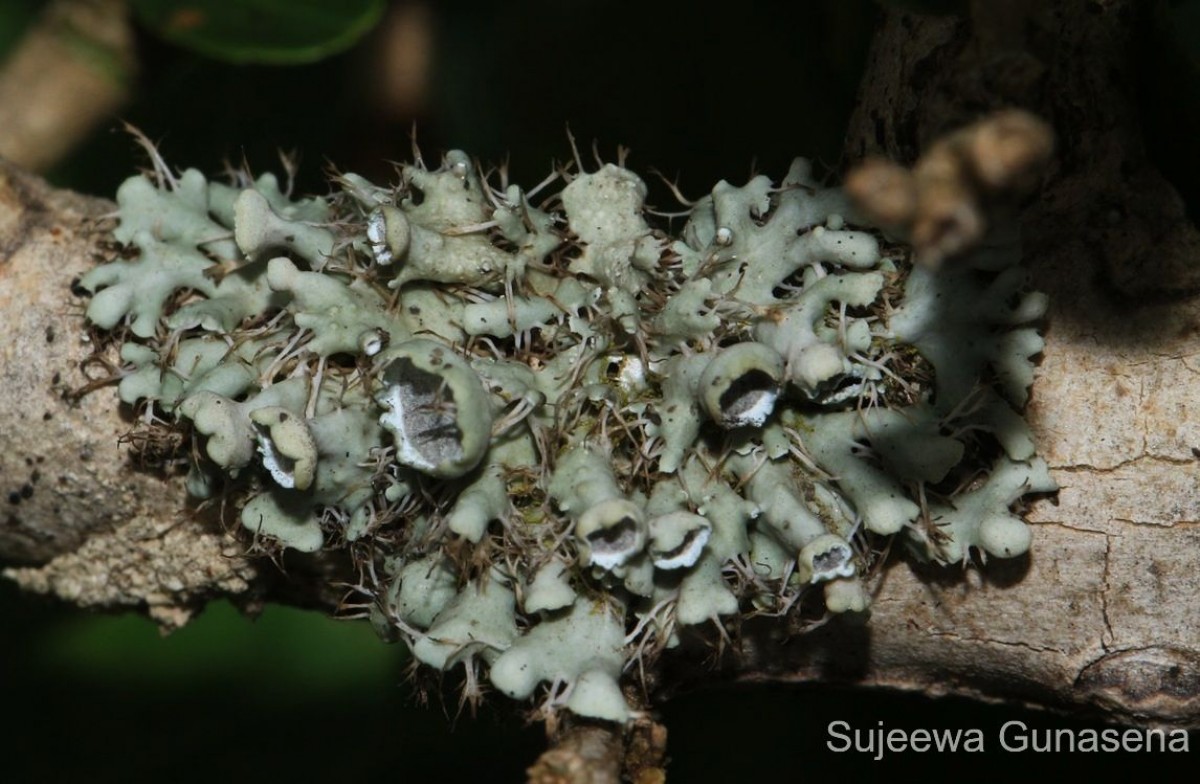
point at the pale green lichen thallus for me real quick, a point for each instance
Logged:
(566, 434)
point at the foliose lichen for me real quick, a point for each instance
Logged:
(556, 436)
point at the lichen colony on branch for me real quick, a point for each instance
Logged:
(552, 435)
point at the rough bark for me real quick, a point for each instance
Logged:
(1100, 617)
(106, 533)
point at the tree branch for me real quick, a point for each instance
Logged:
(68, 74)
(106, 533)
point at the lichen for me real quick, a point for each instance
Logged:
(557, 439)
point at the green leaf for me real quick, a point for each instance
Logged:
(272, 32)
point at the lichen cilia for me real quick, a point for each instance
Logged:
(554, 436)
